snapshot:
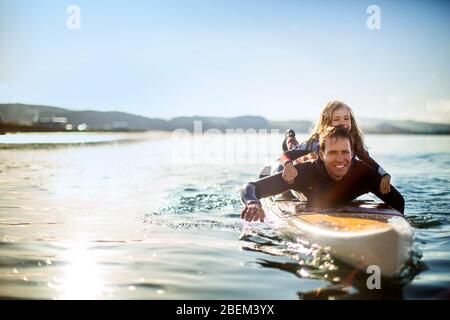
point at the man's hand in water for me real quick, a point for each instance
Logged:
(289, 173)
(253, 212)
(385, 184)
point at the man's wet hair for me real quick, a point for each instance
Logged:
(334, 133)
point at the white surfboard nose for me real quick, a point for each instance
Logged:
(360, 237)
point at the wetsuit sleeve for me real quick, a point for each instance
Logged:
(366, 158)
(293, 155)
(265, 187)
(304, 148)
(393, 198)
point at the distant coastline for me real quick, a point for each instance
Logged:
(36, 128)
(34, 118)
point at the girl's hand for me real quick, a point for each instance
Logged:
(310, 157)
(289, 173)
(385, 184)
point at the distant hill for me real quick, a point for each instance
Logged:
(35, 116)
(403, 126)
(300, 126)
(95, 120)
(244, 122)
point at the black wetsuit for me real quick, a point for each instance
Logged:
(323, 191)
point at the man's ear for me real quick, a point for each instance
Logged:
(321, 155)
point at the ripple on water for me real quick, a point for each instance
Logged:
(421, 221)
(199, 210)
(304, 259)
(194, 221)
(204, 202)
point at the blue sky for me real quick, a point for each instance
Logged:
(277, 59)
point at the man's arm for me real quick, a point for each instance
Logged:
(393, 198)
(367, 159)
(263, 188)
(385, 177)
(253, 191)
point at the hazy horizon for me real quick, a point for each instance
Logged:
(219, 116)
(279, 60)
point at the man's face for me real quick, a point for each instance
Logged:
(337, 157)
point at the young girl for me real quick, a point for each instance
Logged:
(335, 113)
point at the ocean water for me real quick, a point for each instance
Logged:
(157, 217)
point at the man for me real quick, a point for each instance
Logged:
(333, 179)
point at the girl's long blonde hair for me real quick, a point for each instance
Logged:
(326, 118)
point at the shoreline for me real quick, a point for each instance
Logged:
(57, 139)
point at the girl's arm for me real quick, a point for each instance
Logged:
(303, 149)
(289, 171)
(293, 155)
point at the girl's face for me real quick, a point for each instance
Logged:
(341, 117)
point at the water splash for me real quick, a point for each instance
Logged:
(200, 202)
(304, 259)
(420, 221)
(199, 210)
